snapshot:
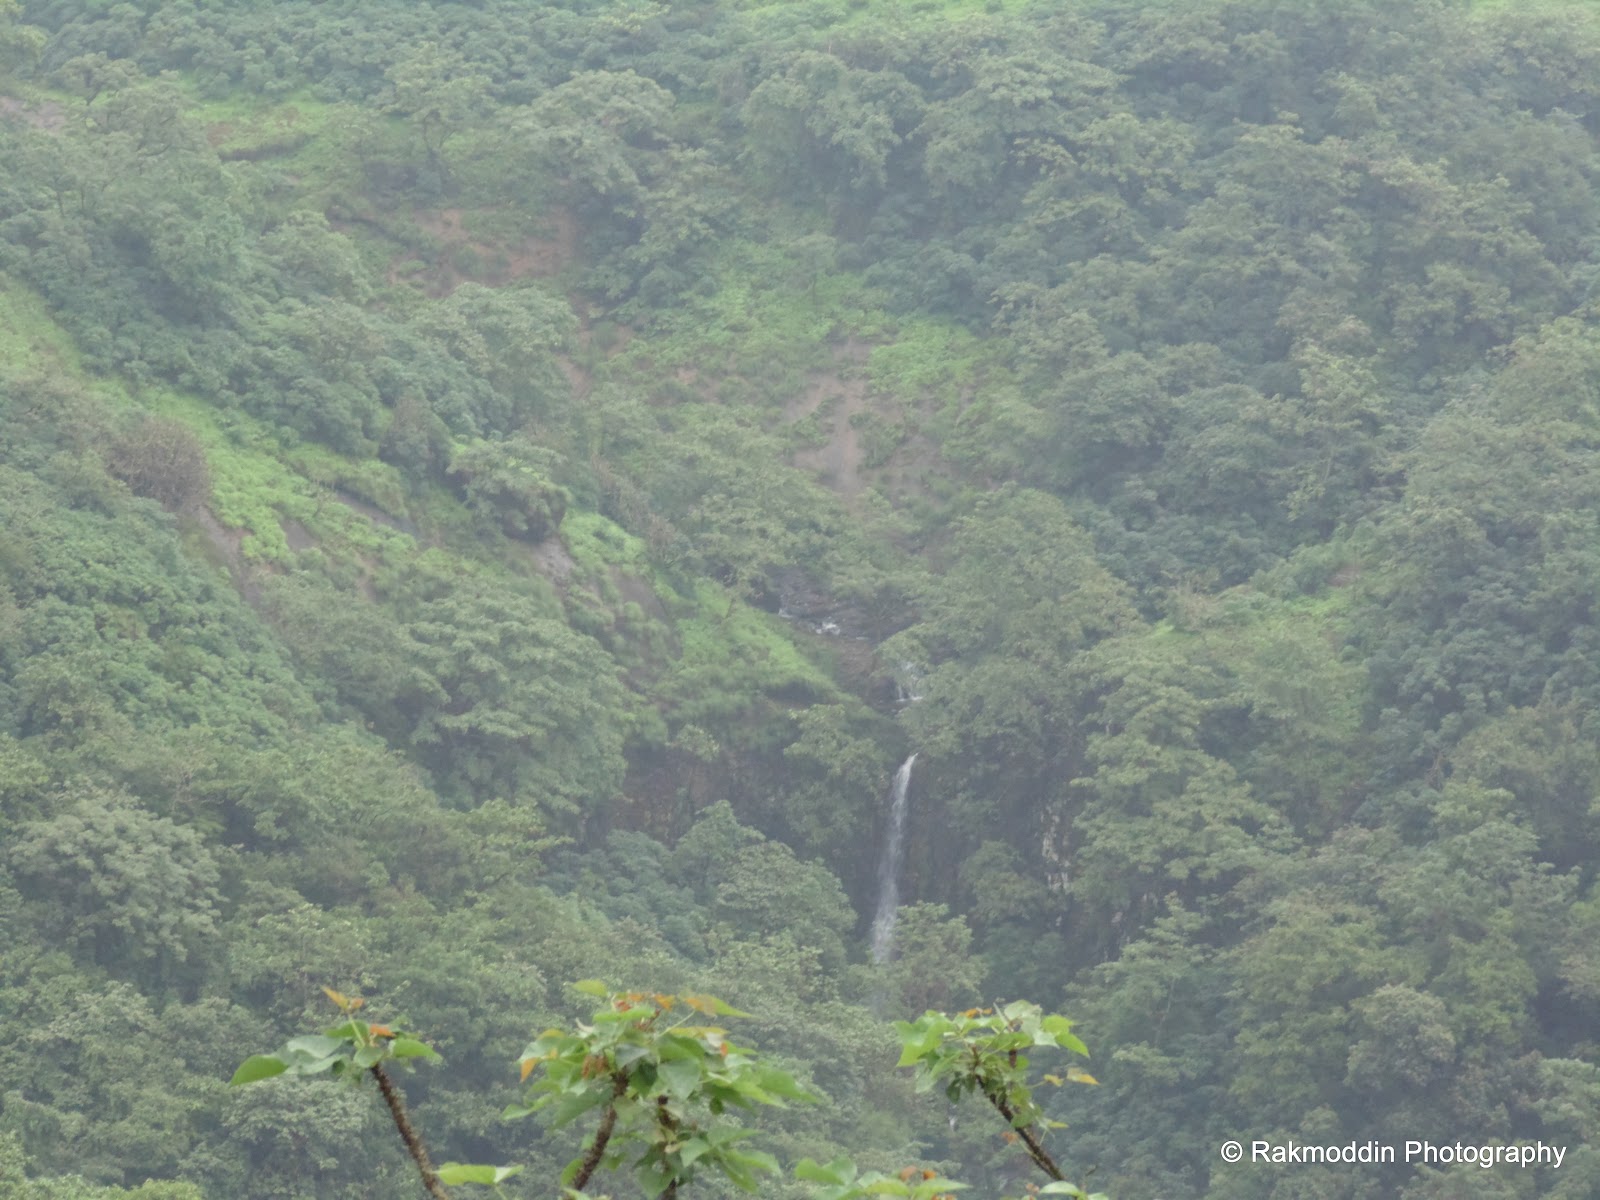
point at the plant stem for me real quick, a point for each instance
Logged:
(1036, 1151)
(670, 1126)
(408, 1134)
(608, 1123)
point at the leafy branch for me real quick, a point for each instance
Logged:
(662, 1075)
(982, 1051)
(357, 1045)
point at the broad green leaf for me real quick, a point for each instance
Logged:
(725, 1135)
(592, 987)
(748, 1092)
(654, 1177)
(917, 1045)
(692, 1149)
(670, 1046)
(755, 1160)
(574, 1107)
(680, 1077)
(314, 1045)
(838, 1173)
(304, 1064)
(888, 1187)
(712, 1006)
(405, 1047)
(629, 1054)
(781, 1083)
(454, 1173)
(258, 1067)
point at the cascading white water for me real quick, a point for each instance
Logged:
(907, 684)
(894, 852)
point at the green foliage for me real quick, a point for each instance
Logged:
(16, 1185)
(352, 1045)
(528, 709)
(654, 1073)
(131, 890)
(933, 964)
(839, 1180)
(980, 1051)
(1200, 399)
(662, 1078)
(502, 483)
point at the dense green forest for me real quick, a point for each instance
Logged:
(492, 491)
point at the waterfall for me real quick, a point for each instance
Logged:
(894, 853)
(907, 684)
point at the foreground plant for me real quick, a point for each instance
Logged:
(662, 1076)
(982, 1051)
(356, 1045)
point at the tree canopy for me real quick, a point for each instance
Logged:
(490, 493)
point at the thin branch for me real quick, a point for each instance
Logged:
(409, 1135)
(608, 1124)
(666, 1121)
(1036, 1151)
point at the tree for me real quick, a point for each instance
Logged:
(134, 891)
(595, 138)
(1002, 631)
(507, 485)
(510, 338)
(530, 710)
(440, 93)
(823, 125)
(15, 1183)
(163, 460)
(1151, 811)
(19, 44)
(933, 966)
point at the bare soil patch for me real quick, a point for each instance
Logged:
(227, 544)
(552, 559)
(843, 389)
(47, 115)
(296, 535)
(463, 257)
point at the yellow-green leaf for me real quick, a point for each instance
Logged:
(258, 1067)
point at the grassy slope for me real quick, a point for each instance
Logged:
(267, 495)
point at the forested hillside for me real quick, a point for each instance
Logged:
(492, 492)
